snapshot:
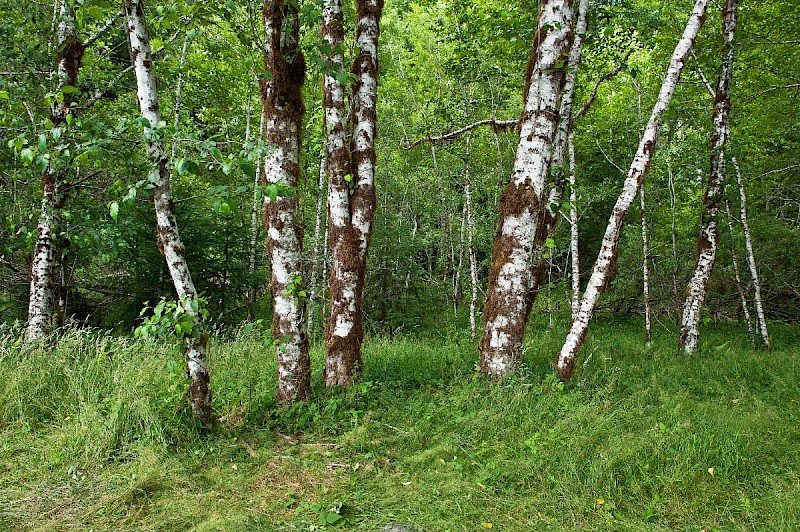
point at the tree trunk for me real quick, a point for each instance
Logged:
(645, 271)
(316, 260)
(283, 112)
(573, 230)
(560, 169)
(522, 207)
(169, 240)
(675, 263)
(606, 265)
(254, 229)
(473, 262)
(708, 239)
(350, 164)
(737, 275)
(43, 283)
(751, 260)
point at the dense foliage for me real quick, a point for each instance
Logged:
(443, 65)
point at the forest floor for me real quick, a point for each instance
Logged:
(93, 436)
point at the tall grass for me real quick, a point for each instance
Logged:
(95, 430)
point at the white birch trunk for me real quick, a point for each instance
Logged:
(473, 266)
(605, 267)
(283, 111)
(738, 276)
(524, 198)
(351, 178)
(169, 240)
(751, 259)
(645, 271)
(43, 264)
(675, 263)
(316, 260)
(254, 229)
(708, 240)
(573, 230)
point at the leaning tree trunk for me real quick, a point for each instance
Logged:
(751, 260)
(351, 178)
(282, 98)
(738, 276)
(42, 292)
(522, 206)
(708, 239)
(605, 267)
(169, 240)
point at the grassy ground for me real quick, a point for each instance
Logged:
(93, 435)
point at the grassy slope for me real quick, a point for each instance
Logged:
(90, 437)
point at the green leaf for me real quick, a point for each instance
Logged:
(114, 210)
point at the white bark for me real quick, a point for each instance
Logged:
(283, 110)
(473, 266)
(169, 239)
(645, 271)
(521, 212)
(751, 260)
(708, 240)
(573, 230)
(605, 266)
(738, 276)
(43, 264)
(316, 260)
(255, 226)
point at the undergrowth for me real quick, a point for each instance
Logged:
(95, 434)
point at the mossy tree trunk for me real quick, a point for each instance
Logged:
(351, 182)
(707, 241)
(523, 203)
(282, 97)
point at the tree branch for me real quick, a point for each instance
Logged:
(102, 30)
(605, 77)
(497, 125)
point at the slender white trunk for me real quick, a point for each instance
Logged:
(645, 271)
(675, 263)
(738, 276)
(254, 229)
(178, 92)
(473, 266)
(42, 287)
(169, 240)
(708, 239)
(283, 111)
(316, 260)
(523, 204)
(751, 259)
(573, 230)
(606, 265)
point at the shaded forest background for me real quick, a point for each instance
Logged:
(443, 65)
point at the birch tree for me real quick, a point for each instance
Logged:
(522, 206)
(751, 259)
(351, 177)
(283, 104)
(42, 284)
(605, 267)
(708, 239)
(169, 240)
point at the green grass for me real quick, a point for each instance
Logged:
(94, 435)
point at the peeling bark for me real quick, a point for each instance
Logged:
(573, 231)
(645, 271)
(283, 112)
(605, 267)
(351, 177)
(708, 239)
(751, 259)
(169, 240)
(43, 265)
(522, 206)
